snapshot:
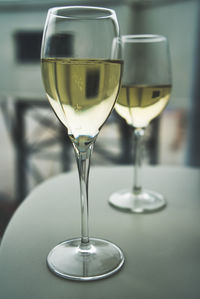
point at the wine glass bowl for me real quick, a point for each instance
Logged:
(145, 92)
(81, 75)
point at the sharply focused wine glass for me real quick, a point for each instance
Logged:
(145, 92)
(82, 75)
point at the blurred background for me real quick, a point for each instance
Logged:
(34, 146)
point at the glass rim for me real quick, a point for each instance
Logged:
(107, 12)
(143, 38)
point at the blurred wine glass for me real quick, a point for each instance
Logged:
(145, 92)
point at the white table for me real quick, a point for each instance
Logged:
(162, 249)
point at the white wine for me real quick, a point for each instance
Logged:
(82, 92)
(139, 104)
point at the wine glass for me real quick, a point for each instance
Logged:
(82, 76)
(145, 92)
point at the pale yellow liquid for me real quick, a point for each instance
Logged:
(138, 105)
(81, 92)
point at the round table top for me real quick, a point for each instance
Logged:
(162, 249)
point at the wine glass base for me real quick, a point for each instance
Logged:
(98, 260)
(144, 202)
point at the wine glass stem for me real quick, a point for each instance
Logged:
(83, 163)
(138, 134)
